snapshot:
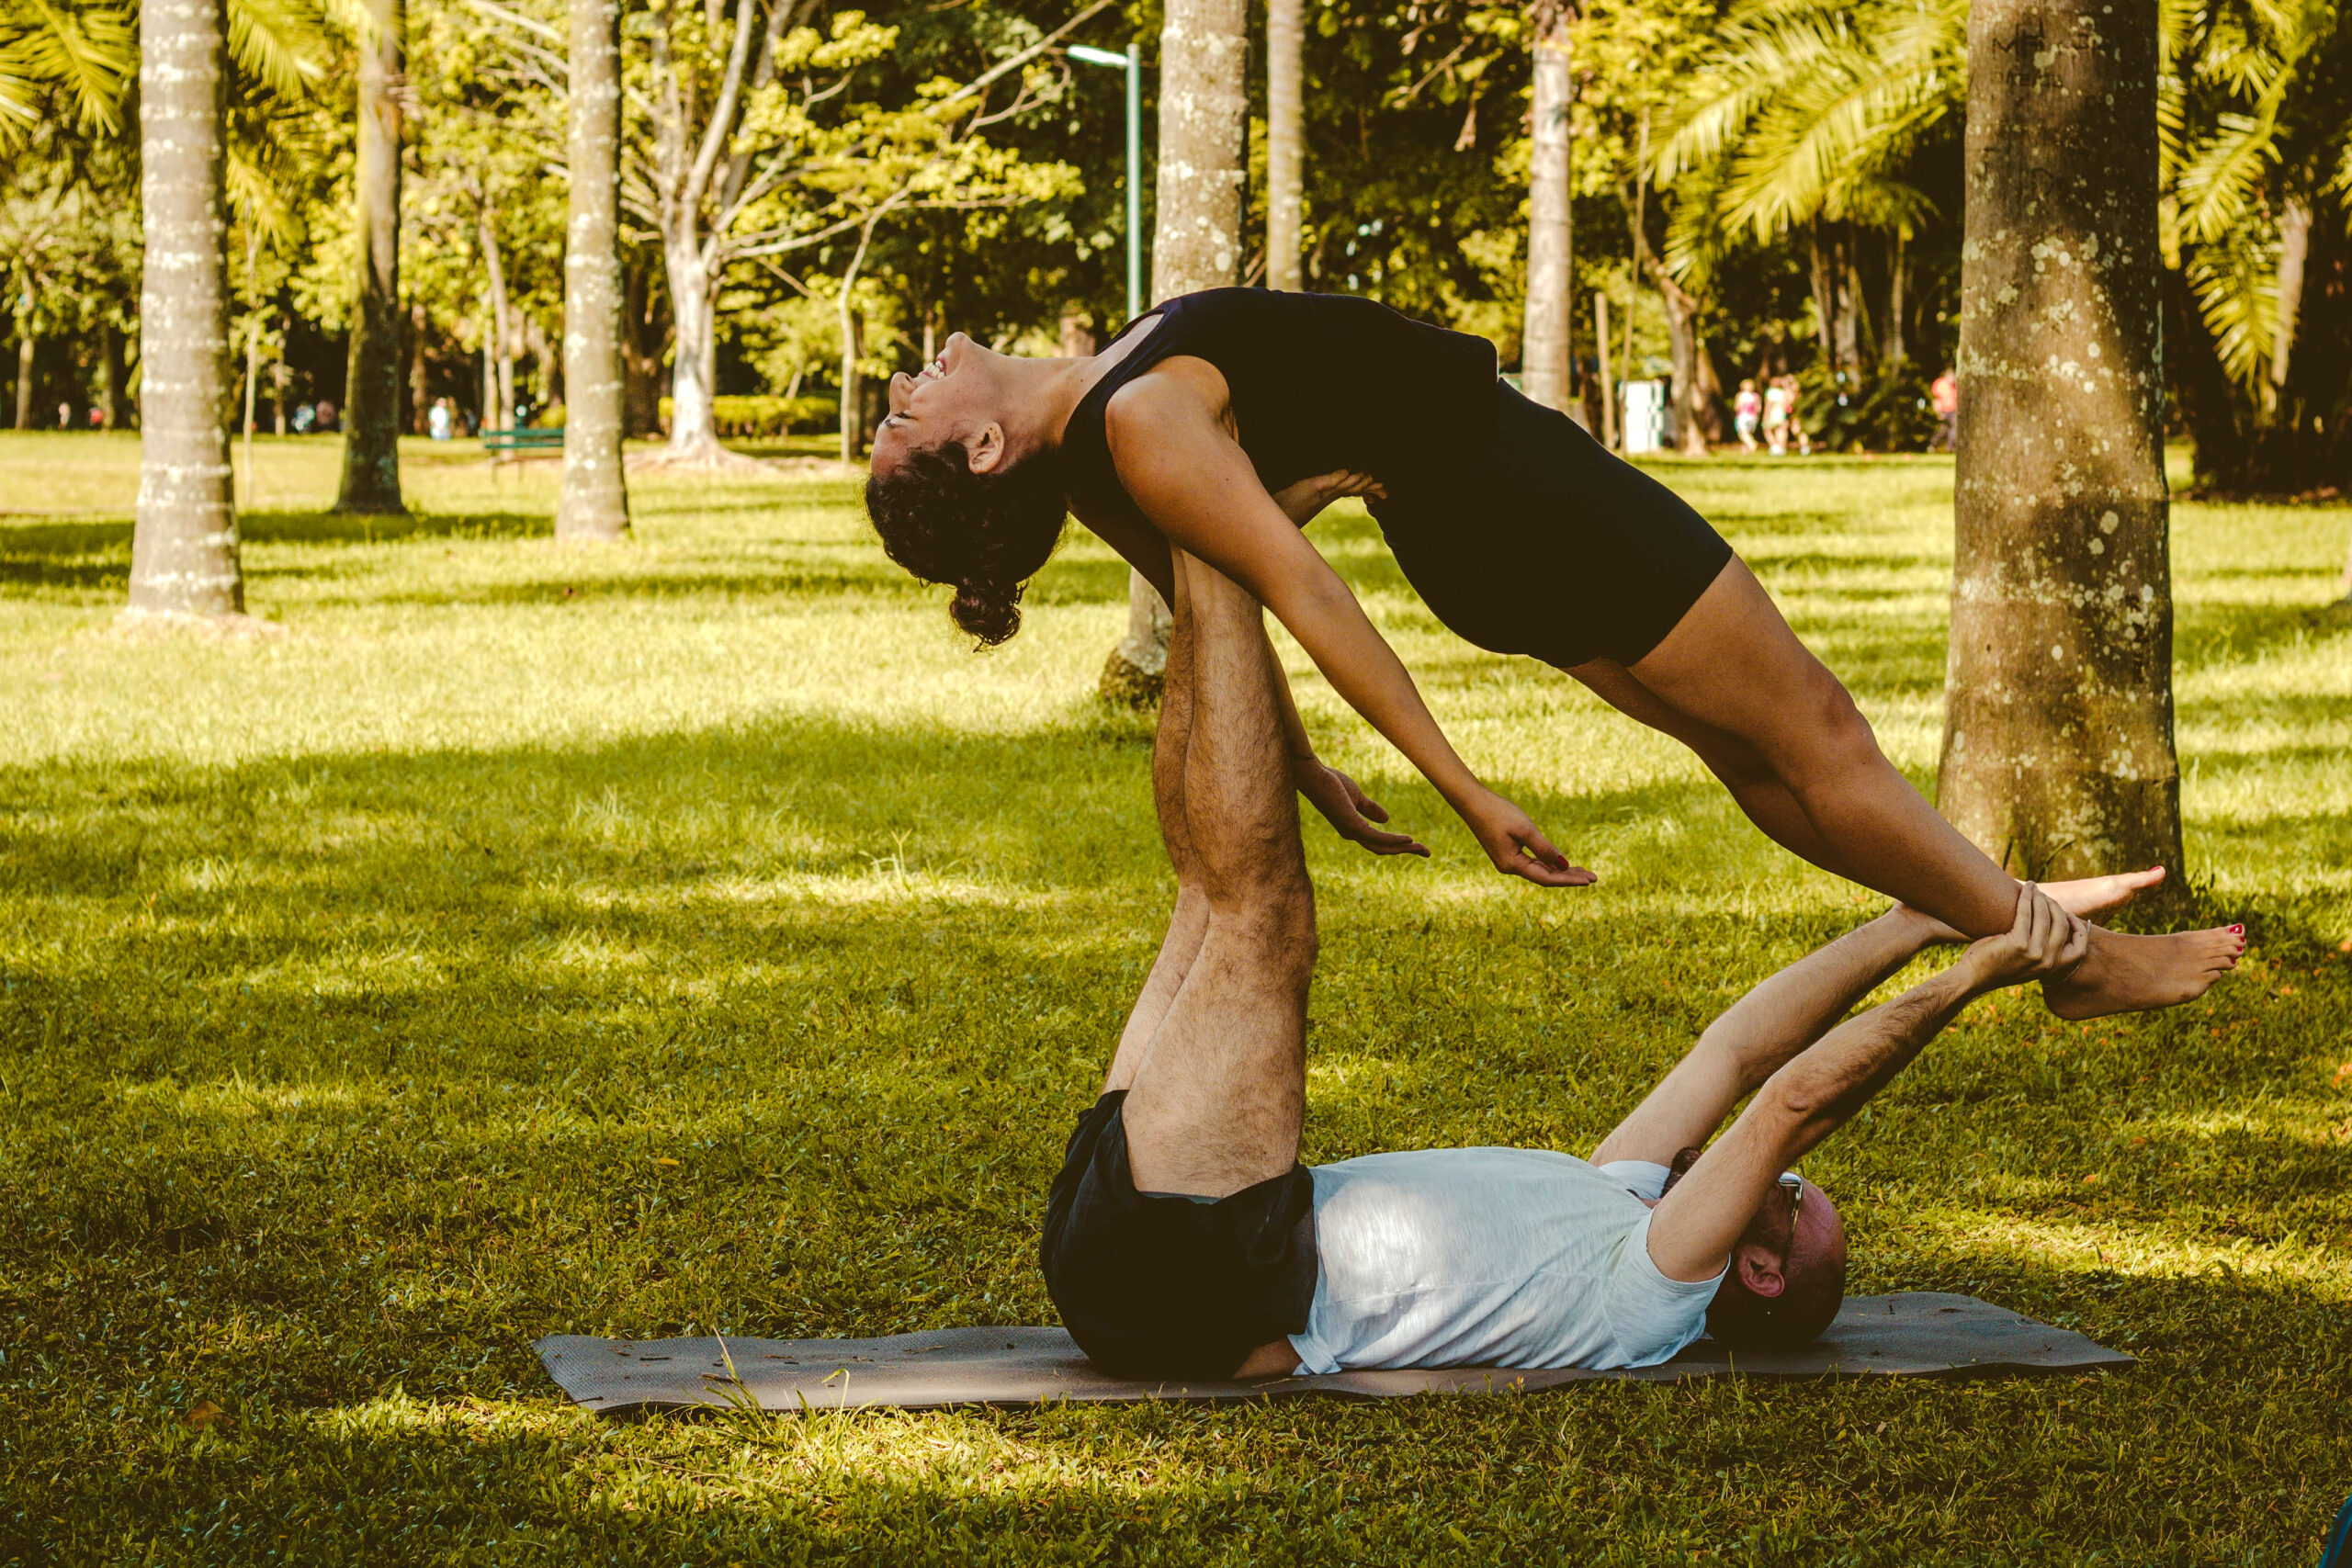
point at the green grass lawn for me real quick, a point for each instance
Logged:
(693, 934)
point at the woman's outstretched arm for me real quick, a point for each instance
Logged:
(1192, 479)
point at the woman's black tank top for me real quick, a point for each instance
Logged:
(1317, 382)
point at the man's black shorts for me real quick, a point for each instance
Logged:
(1153, 1286)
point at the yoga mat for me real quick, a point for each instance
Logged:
(1915, 1334)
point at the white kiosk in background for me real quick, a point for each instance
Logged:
(1644, 416)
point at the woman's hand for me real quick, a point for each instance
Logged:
(1351, 812)
(1517, 847)
(1303, 502)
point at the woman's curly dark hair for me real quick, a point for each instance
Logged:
(987, 534)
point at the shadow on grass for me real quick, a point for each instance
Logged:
(343, 528)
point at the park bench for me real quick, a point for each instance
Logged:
(500, 445)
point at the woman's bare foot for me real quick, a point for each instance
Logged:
(2089, 896)
(2134, 973)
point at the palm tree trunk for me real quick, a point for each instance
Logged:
(594, 503)
(184, 546)
(371, 415)
(24, 374)
(2058, 733)
(1286, 137)
(1546, 354)
(1197, 241)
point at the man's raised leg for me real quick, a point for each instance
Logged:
(1215, 1095)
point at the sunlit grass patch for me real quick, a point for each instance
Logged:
(696, 934)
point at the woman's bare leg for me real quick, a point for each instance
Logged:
(1737, 766)
(1732, 664)
(1760, 793)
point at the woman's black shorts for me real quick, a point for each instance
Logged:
(1547, 544)
(1157, 1286)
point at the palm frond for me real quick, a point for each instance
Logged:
(2236, 285)
(280, 44)
(87, 51)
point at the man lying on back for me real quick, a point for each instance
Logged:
(1184, 1240)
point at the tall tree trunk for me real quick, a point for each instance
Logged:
(497, 345)
(1607, 382)
(371, 397)
(2294, 249)
(1696, 389)
(278, 388)
(252, 379)
(1285, 142)
(853, 327)
(420, 370)
(184, 546)
(594, 503)
(694, 356)
(1547, 366)
(1898, 348)
(1197, 241)
(117, 375)
(642, 340)
(2058, 745)
(1824, 295)
(1847, 288)
(24, 374)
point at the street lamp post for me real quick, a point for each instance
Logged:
(1132, 62)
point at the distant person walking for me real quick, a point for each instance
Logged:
(1747, 410)
(1797, 417)
(436, 421)
(1943, 396)
(1776, 418)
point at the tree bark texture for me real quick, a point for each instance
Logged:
(420, 388)
(371, 397)
(1607, 382)
(1286, 144)
(594, 503)
(1696, 389)
(117, 407)
(184, 546)
(498, 338)
(2058, 732)
(1546, 369)
(1203, 106)
(24, 376)
(1196, 240)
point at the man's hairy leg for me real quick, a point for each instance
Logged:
(1189, 921)
(1216, 1099)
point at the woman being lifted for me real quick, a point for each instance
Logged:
(1222, 421)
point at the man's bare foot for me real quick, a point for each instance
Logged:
(2089, 896)
(2134, 973)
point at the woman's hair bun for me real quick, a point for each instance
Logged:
(987, 534)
